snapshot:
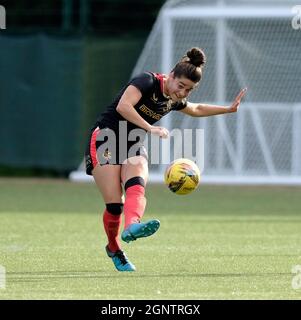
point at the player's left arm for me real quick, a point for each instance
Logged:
(205, 110)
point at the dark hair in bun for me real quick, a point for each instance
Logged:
(196, 57)
(190, 66)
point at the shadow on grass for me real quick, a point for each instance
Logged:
(15, 277)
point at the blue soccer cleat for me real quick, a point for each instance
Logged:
(120, 260)
(140, 230)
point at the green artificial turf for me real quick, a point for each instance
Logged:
(220, 242)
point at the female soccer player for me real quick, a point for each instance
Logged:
(142, 102)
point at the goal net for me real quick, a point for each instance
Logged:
(254, 44)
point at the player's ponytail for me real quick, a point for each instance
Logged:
(190, 66)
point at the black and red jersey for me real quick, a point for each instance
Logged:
(152, 106)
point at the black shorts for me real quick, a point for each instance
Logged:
(103, 149)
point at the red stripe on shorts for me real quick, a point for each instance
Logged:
(93, 147)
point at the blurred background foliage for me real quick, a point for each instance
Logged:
(104, 17)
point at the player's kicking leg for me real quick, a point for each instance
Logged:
(134, 176)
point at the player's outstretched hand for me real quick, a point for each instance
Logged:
(159, 131)
(235, 105)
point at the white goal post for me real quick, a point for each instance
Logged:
(248, 44)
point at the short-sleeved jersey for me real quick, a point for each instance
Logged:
(152, 106)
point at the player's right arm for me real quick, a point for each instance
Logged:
(125, 107)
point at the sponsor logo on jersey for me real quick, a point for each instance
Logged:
(143, 108)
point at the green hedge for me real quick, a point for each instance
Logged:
(54, 87)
